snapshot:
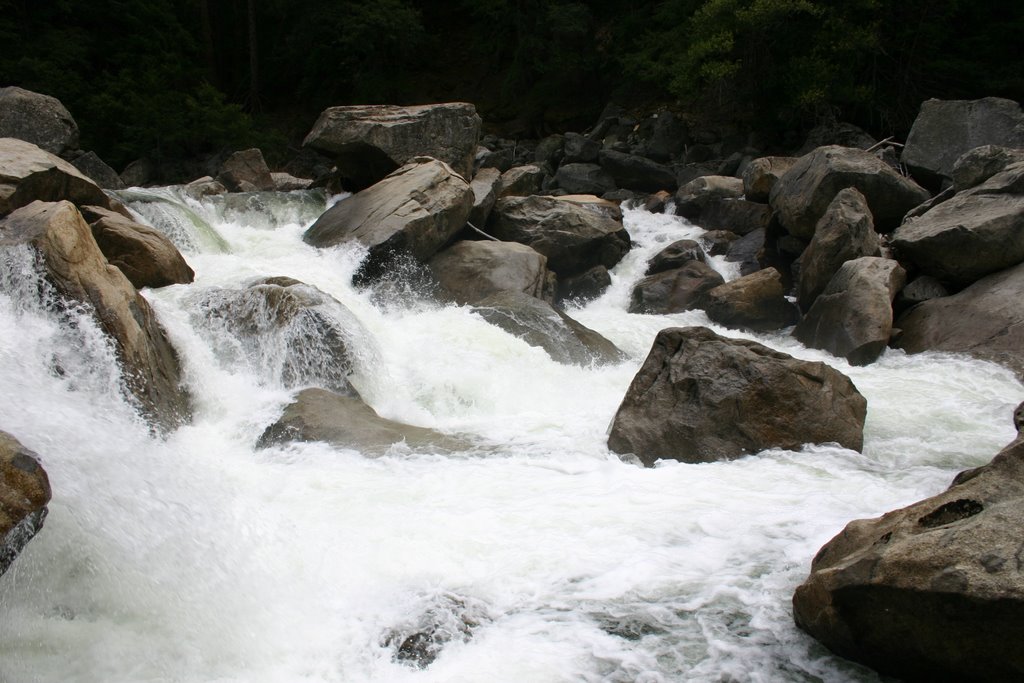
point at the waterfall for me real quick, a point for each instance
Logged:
(533, 555)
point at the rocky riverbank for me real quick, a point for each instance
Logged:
(839, 245)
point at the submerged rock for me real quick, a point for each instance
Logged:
(931, 592)
(24, 493)
(73, 263)
(347, 422)
(445, 618)
(539, 323)
(700, 397)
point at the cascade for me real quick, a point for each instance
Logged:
(532, 555)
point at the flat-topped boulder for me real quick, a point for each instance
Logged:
(74, 265)
(700, 397)
(538, 323)
(413, 212)
(29, 173)
(931, 592)
(575, 235)
(345, 421)
(852, 318)
(945, 129)
(975, 233)
(145, 255)
(24, 494)
(368, 142)
(985, 320)
(37, 118)
(803, 193)
(469, 271)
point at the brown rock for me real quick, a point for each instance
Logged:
(24, 493)
(144, 255)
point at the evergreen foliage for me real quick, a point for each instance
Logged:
(174, 79)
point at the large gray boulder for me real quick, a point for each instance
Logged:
(574, 235)
(36, 118)
(283, 330)
(695, 195)
(76, 268)
(28, 173)
(945, 129)
(845, 232)
(345, 421)
(637, 173)
(521, 181)
(761, 174)
(411, 213)
(700, 397)
(852, 318)
(485, 185)
(98, 171)
(676, 255)
(24, 493)
(986, 320)
(753, 302)
(977, 232)
(538, 323)
(584, 179)
(146, 256)
(370, 141)
(802, 195)
(676, 290)
(977, 165)
(931, 592)
(246, 171)
(469, 271)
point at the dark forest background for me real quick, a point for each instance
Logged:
(175, 79)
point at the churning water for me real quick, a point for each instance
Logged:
(534, 556)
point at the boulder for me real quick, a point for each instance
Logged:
(286, 182)
(94, 168)
(584, 287)
(852, 318)
(845, 232)
(538, 323)
(39, 119)
(246, 171)
(746, 251)
(760, 176)
(549, 151)
(930, 592)
(74, 265)
(945, 129)
(921, 289)
(657, 202)
(977, 232)
(138, 173)
(469, 271)
(717, 242)
(204, 187)
(284, 330)
(485, 186)
(699, 192)
(347, 422)
(24, 493)
(580, 149)
(575, 235)
(753, 302)
(28, 173)
(977, 165)
(836, 133)
(1018, 418)
(637, 173)
(675, 255)
(802, 195)
(521, 181)
(674, 291)
(735, 215)
(144, 255)
(985, 320)
(411, 213)
(370, 141)
(584, 179)
(700, 397)
(665, 136)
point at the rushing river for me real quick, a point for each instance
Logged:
(197, 558)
